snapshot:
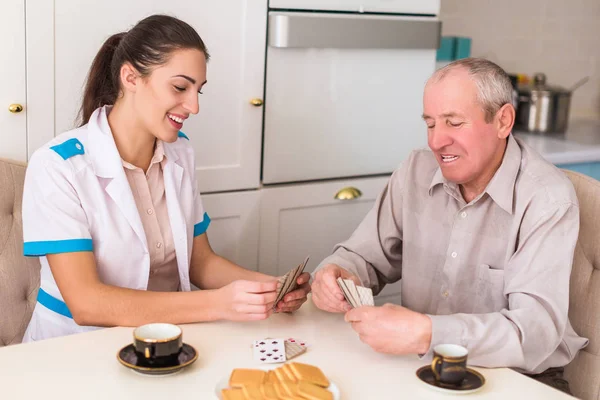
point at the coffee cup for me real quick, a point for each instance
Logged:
(158, 344)
(449, 363)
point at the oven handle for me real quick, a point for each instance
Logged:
(343, 31)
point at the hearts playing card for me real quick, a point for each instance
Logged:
(269, 351)
(293, 348)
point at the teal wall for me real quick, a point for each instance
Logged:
(591, 169)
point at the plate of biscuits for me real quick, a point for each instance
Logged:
(289, 381)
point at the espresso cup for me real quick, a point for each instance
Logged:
(157, 344)
(449, 363)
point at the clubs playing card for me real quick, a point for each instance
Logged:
(293, 348)
(269, 351)
(288, 283)
(356, 296)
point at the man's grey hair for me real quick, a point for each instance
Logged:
(493, 83)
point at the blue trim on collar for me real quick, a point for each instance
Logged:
(183, 135)
(68, 149)
(53, 304)
(38, 249)
(201, 227)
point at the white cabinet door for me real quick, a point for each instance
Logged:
(306, 220)
(233, 231)
(63, 36)
(13, 124)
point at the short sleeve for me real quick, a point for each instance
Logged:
(53, 219)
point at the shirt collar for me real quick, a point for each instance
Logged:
(501, 186)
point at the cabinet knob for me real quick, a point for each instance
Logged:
(348, 193)
(256, 102)
(15, 108)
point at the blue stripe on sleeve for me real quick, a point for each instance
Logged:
(52, 303)
(37, 249)
(201, 227)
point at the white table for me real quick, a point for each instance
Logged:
(84, 366)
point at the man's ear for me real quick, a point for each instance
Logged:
(129, 77)
(504, 120)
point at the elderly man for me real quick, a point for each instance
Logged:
(482, 232)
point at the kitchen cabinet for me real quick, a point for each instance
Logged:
(233, 231)
(307, 220)
(13, 104)
(63, 36)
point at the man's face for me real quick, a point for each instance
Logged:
(465, 145)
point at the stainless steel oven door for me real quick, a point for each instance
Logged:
(344, 93)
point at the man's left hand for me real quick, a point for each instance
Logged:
(391, 329)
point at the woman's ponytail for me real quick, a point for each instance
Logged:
(101, 87)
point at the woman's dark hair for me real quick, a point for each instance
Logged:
(148, 44)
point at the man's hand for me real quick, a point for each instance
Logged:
(392, 329)
(327, 295)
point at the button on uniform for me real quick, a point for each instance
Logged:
(150, 211)
(454, 254)
(463, 214)
(158, 245)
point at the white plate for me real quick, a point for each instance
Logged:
(224, 383)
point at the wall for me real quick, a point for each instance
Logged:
(557, 37)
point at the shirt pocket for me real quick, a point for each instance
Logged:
(490, 290)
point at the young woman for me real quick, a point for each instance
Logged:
(112, 208)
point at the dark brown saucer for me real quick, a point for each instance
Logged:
(129, 358)
(473, 382)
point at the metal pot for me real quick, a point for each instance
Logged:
(542, 107)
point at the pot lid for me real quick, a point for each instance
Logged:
(540, 86)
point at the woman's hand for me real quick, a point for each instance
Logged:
(293, 300)
(246, 300)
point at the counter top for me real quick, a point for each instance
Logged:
(580, 144)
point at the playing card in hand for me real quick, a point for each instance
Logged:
(287, 283)
(356, 296)
(269, 351)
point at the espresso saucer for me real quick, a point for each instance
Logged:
(473, 382)
(129, 358)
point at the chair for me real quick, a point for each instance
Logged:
(19, 276)
(583, 373)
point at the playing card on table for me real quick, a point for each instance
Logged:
(269, 351)
(288, 283)
(293, 348)
(356, 296)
